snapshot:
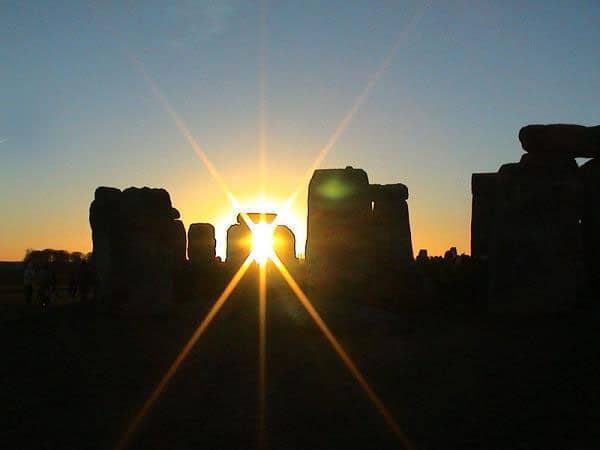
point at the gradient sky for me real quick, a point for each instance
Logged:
(76, 113)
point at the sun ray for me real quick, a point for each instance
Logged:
(357, 104)
(348, 362)
(262, 355)
(185, 132)
(179, 122)
(262, 92)
(149, 403)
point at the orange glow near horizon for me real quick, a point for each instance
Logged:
(262, 242)
(292, 218)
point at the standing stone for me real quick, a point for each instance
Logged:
(201, 243)
(177, 241)
(239, 242)
(391, 226)
(338, 245)
(483, 210)
(284, 243)
(566, 139)
(358, 236)
(138, 247)
(533, 257)
(108, 241)
(392, 252)
(590, 174)
(239, 236)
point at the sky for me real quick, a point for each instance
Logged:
(421, 93)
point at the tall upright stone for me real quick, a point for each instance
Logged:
(108, 240)
(284, 243)
(483, 211)
(590, 174)
(239, 243)
(138, 246)
(177, 241)
(534, 252)
(338, 245)
(358, 235)
(201, 243)
(239, 235)
(391, 225)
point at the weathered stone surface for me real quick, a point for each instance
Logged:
(484, 189)
(338, 208)
(590, 174)
(145, 207)
(284, 243)
(239, 243)
(391, 226)
(338, 245)
(177, 241)
(201, 243)
(107, 195)
(137, 248)
(534, 251)
(107, 239)
(358, 233)
(146, 285)
(572, 140)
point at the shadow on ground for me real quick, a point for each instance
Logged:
(73, 379)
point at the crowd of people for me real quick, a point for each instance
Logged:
(40, 280)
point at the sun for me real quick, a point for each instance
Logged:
(262, 242)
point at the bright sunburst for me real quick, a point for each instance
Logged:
(262, 242)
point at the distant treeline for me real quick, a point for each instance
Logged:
(61, 262)
(54, 257)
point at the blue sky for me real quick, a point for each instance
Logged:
(75, 112)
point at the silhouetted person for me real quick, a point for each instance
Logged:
(28, 279)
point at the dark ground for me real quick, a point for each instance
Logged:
(73, 379)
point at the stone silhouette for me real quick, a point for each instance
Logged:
(177, 242)
(338, 253)
(544, 220)
(201, 243)
(239, 236)
(484, 189)
(590, 221)
(391, 226)
(138, 244)
(284, 243)
(354, 228)
(575, 141)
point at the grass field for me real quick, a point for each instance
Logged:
(74, 379)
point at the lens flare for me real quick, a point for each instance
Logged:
(262, 242)
(345, 357)
(262, 356)
(149, 403)
(358, 102)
